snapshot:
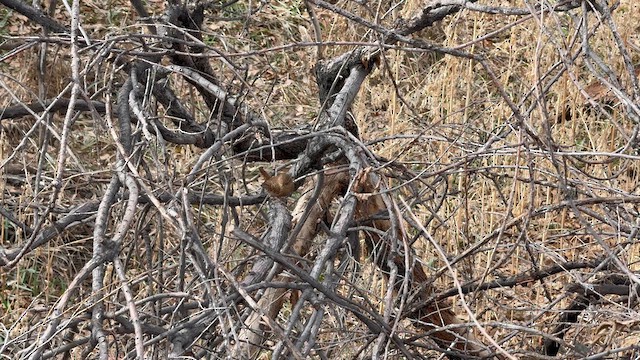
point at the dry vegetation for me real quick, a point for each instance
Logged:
(498, 152)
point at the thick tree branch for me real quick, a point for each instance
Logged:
(36, 15)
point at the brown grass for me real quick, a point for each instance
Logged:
(450, 102)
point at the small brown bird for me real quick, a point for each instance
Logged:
(280, 185)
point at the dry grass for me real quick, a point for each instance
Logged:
(449, 104)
